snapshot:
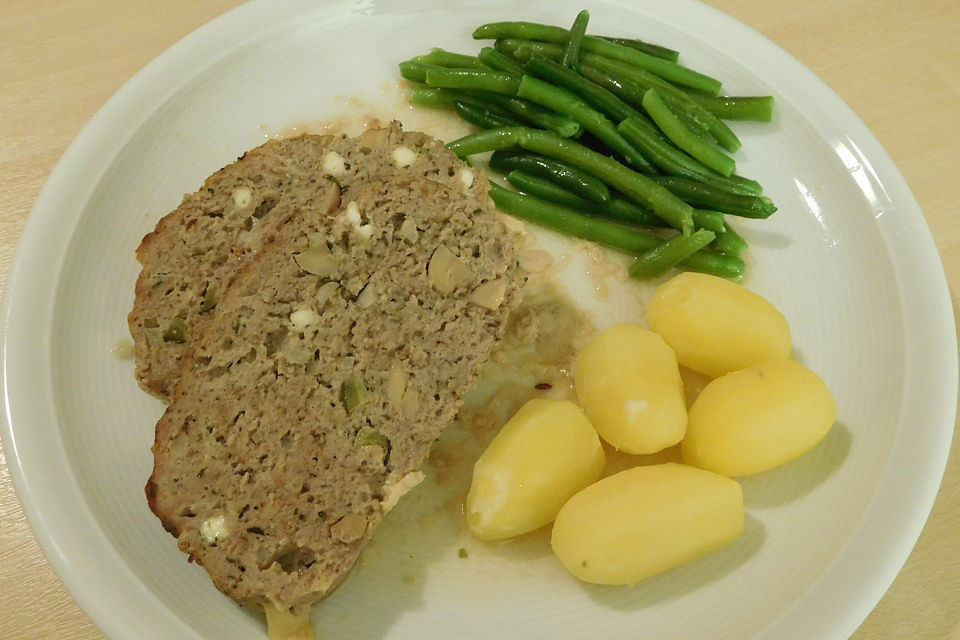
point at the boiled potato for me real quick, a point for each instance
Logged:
(755, 419)
(645, 520)
(544, 454)
(628, 383)
(716, 326)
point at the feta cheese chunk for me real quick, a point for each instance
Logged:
(213, 529)
(334, 165)
(466, 177)
(242, 197)
(361, 231)
(303, 318)
(352, 214)
(403, 156)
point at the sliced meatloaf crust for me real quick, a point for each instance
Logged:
(334, 361)
(195, 251)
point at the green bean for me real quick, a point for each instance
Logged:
(693, 125)
(562, 101)
(645, 80)
(673, 96)
(436, 97)
(498, 103)
(709, 220)
(630, 90)
(508, 108)
(495, 81)
(529, 111)
(416, 71)
(572, 222)
(670, 253)
(614, 208)
(646, 47)
(601, 99)
(603, 231)
(442, 58)
(629, 83)
(573, 179)
(675, 162)
(759, 108)
(635, 186)
(483, 118)
(684, 138)
(571, 50)
(498, 61)
(707, 196)
(729, 242)
(593, 143)
(664, 68)
(432, 97)
(491, 140)
(547, 190)
(511, 46)
(627, 211)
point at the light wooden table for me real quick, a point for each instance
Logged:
(897, 64)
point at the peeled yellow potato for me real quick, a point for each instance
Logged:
(645, 520)
(628, 383)
(544, 454)
(716, 326)
(752, 420)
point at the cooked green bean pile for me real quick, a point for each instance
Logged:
(602, 137)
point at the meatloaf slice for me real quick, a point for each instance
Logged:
(195, 251)
(335, 359)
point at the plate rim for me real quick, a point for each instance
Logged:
(70, 174)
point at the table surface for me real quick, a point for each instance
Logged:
(897, 64)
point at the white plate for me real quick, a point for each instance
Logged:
(848, 258)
